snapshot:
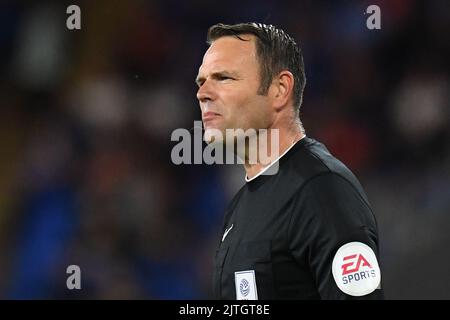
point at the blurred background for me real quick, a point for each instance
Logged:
(86, 117)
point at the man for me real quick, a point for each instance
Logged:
(306, 231)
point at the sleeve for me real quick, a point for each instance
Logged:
(333, 231)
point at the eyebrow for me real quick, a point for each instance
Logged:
(217, 75)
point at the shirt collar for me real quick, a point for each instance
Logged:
(271, 164)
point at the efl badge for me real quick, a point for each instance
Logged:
(245, 283)
(355, 269)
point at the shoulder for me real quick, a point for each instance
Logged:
(312, 161)
(330, 206)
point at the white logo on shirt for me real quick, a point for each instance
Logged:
(226, 232)
(355, 269)
(245, 283)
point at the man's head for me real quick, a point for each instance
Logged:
(250, 73)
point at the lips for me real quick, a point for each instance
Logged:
(208, 116)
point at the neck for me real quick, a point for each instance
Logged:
(269, 148)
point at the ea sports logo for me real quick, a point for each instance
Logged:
(244, 287)
(360, 262)
(355, 269)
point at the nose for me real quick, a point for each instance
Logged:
(205, 92)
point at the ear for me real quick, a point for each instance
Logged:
(283, 86)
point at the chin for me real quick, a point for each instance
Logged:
(213, 135)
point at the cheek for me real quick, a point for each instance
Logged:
(258, 113)
(243, 109)
(234, 108)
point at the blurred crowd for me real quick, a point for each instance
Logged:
(85, 122)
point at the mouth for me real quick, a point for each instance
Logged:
(209, 116)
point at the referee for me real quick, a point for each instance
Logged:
(306, 231)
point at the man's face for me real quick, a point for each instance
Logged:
(229, 79)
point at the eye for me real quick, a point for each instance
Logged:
(222, 78)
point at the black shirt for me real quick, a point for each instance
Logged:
(282, 232)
